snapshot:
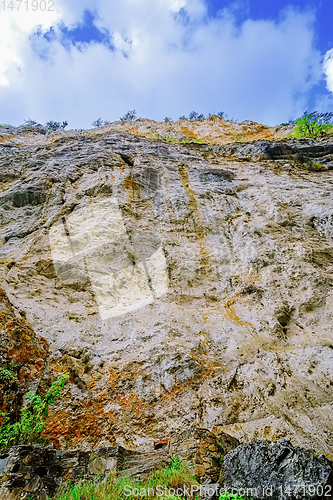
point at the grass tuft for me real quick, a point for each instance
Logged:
(176, 475)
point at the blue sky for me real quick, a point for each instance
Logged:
(261, 60)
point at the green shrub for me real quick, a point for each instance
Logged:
(196, 116)
(30, 122)
(52, 125)
(28, 430)
(6, 376)
(313, 125)
(130, 115)
(291, 122)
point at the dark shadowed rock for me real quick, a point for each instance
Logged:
(262, 469)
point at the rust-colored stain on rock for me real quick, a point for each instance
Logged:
(130, 184)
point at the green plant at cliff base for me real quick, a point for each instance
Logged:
(176, 475)
(175, 463)
(218, 457)
(230, 496)
(28, 430)
(313, 125)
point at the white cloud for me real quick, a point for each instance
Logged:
(328, 68)
(15, 28)
(260, 70)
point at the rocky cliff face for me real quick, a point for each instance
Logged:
(179, 284)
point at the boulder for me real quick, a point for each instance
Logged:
(278, 471)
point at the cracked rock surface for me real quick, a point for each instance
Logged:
(179, 285)
(278, 471)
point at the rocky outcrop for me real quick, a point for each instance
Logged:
(26, 470)
(203, 450)
(277, 470)
(178, 284)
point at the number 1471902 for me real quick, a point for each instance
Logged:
(306, 490)
(26, 5)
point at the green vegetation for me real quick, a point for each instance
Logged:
(318, 167)
(218, 457)
(165, 481)
(28, 430)
(240, 138)
(200, 116)
(130, 115)
(230, 496)
(312, 125)
(98, 123)
(196, 116)
(190, 140)
(6, 376)
(51, 125)
(166, 484)
(291, 122)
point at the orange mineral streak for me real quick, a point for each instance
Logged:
(183, 174)
(5, 185)
(5, 138)
(133, 131)
(32, 371)
(229, 313)
(131, 401)
(92, 419)
(130, 184)
(189, 133)
(109, 406)
(59, 426)
(180, 387)
(25, 346)
(5, 317)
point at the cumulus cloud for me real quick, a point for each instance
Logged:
(328, 68)
(162, 58)
(15, 28)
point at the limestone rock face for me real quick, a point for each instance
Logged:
(179, 284)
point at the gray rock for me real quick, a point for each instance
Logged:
(279, 471)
